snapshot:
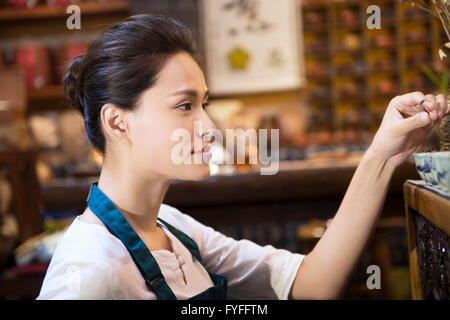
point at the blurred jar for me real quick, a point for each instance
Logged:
(61, 2)
(34, 59)
(17, 3)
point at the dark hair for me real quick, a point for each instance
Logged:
(120, 64)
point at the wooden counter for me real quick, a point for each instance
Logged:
(300, 190)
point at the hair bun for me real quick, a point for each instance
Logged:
(71, 85)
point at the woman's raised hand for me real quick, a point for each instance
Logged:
(406, 123)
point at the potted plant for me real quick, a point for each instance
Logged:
(434, 165)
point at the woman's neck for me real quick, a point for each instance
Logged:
(137, 196)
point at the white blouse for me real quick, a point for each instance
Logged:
(91, 263)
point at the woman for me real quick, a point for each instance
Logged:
(135, 86)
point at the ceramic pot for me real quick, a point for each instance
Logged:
(434, 168)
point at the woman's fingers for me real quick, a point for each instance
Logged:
(429, 104)
(409, 103)
(419, 120)
(442, 105)
(411, 99)
(415, 102)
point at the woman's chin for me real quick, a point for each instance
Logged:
(202, 171)
(196, 172)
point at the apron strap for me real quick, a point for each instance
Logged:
(116, 223)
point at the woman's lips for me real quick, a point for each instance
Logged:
(206, 153)
(204, 150)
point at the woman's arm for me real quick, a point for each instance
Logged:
(253, 271)
(325, 271)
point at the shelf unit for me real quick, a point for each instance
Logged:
(331, 109)
(372, 66)
(43, 11)
(43, 23)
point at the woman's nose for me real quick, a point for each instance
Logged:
(208, 125)
(209, 137)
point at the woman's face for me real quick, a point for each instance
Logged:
(167, 112)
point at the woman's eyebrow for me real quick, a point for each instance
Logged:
(189, 92)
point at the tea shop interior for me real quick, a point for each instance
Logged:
(315, 76)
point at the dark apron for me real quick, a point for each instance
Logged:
(116, 223)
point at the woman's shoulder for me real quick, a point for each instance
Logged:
(84, 264)
(87, 238)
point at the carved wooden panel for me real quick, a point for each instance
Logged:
(433, 259)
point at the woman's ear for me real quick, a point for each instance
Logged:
(114, 121)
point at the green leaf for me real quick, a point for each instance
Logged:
(439, 80)
(444, 82)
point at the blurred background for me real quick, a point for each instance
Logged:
(340, 76)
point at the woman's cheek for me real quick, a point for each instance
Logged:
(180, 136)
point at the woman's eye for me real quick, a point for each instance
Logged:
(186, 105)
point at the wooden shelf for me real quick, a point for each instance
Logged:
(49, 98)
(43, 11)
(50, 92)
